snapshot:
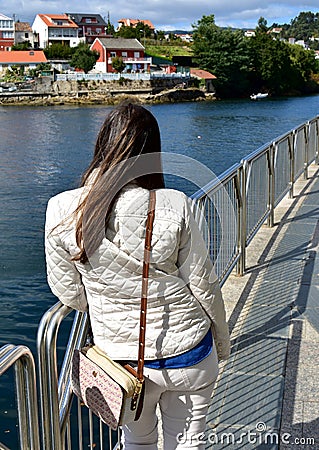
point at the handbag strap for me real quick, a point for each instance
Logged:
(146, 263)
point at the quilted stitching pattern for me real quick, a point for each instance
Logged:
(112, 280)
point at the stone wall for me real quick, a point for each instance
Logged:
(45, 91)
(154, 85)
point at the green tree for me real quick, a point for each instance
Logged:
(271, 64)
(245, 65)
(141, 29)
(21, 46)
(224, 53)
(262, 25)
(138, 32)
(305, 25)
(127, 32)
(84, 58)
(279, 67)
(304, 65)
(110, 27)
(160, 35)
(59, 51)
(42, 67)
(14, 73)
(118, 64)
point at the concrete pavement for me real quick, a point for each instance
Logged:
(267, 394)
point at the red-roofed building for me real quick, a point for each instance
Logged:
(133, 22)
(204, 75)
(28, 59)
(130, 50)
(56, 29)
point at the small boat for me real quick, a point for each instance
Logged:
(258, 96)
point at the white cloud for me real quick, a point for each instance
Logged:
(167, 14)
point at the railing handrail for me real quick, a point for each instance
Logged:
(21, 358)
(217, 182)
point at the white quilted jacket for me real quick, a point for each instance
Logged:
(184, 297)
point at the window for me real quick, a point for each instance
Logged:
(98, 31)
(136, 54)
(26, 35)
(113, 54)
(124, 54)
(90, 20)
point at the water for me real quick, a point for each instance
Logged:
(44, 151)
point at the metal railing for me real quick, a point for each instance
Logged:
(244, 197)
(234, 207)
(20, 358)
(57, 417)
(116, 76)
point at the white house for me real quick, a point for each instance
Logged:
(6, 33)
(27, 59)
(23, 34)
(56, 29)
(250, 33)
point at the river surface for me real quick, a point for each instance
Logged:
(44, 150)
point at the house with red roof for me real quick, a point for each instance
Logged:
(133, 22)
(28, 59)
(56, 29)
(130, 50)
(208, 77)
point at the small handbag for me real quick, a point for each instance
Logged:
(115, 392)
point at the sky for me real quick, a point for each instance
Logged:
(167, 14)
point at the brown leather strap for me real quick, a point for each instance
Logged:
(146, 262)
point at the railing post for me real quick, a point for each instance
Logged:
(317, 143)
(271, 184)
(242, 219)
(76, 340)
(306, 138)
(48, 376)
(292, 164)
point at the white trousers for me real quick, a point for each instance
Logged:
(183, 396)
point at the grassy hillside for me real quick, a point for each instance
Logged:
(167, 50)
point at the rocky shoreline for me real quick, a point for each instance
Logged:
(96, 97)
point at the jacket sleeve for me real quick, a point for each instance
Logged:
(63, 277)
(197, 271)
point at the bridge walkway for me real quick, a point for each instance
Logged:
(267, 394)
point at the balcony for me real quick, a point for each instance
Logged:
(143, 60)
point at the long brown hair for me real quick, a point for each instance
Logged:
(127, 133)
